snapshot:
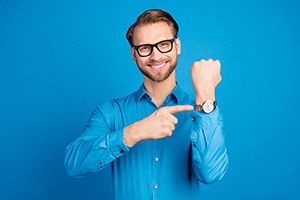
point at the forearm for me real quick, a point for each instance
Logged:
(204, 95)
(209, 152)
(91, 154)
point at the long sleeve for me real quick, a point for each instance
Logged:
(209, 153)
(97, 146)
(149, 169)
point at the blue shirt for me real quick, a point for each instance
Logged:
(168, 168)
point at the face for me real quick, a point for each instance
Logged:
(157, 66)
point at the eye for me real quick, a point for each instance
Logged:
(164, 44)
(144, 48)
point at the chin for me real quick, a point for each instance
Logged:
(158, 76)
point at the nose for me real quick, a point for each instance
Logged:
(155, 55)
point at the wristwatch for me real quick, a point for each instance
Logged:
(207, 107)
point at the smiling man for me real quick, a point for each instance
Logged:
(161, 142)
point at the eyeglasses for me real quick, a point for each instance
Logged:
(164, 46)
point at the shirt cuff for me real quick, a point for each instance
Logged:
(116, 143)
(205, 120)
(204, 126)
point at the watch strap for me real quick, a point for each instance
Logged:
(199, 107)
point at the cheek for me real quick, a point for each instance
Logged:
(174, 55)
(141, 61)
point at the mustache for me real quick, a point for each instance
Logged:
(152, 61)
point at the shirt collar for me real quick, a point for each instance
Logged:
(141, 92)
(177, 93)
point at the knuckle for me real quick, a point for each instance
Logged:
(165, 122)
(194, 65)
(177, 109)
(217, 63)
(166, 130)
(160, 110)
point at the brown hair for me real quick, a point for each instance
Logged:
(152, 16)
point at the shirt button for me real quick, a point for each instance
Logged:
(156, 159)
(155, 186)
(100, 164)
(193, 119)
(194, 145)
(122, 151)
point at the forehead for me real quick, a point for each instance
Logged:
(152, 33)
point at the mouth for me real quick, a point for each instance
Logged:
(158, 66)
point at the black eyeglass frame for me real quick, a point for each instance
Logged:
(154, 45)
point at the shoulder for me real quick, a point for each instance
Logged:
(129, 99)
(112, 105)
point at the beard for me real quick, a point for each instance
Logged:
(159, 77)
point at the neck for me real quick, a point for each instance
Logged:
(158, 91)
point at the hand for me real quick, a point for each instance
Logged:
(205, 77)
(158, 125)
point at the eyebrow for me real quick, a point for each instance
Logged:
(152, 43)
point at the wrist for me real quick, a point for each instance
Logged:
(201, 97)
(207, 107)
(130, 135)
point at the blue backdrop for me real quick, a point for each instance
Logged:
(59, 59)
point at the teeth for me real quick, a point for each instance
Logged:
(158, 66)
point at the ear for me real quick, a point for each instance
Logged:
(133, 54)
(178, 46)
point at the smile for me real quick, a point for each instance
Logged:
(158, 66)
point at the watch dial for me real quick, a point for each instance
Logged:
(208, 107)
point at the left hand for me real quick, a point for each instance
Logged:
(205, 77)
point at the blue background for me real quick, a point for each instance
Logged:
(59, 59)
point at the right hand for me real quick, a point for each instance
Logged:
(158, 125)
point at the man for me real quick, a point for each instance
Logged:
(158, 145)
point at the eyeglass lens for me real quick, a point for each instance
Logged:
(163, 47)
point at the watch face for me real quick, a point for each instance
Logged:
(208, 107)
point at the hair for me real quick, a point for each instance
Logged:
(150, 17)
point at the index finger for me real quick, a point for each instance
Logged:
(177, 108)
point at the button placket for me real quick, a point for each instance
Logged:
(156, 164)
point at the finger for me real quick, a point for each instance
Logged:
(167, 131)
(172, 119)
(172, 127)
(178, 108)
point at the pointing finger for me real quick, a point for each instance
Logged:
(178, 108)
